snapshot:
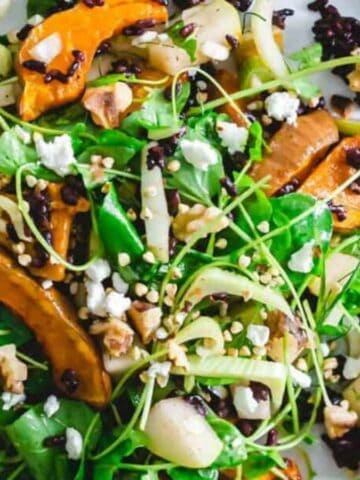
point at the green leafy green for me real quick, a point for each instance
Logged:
(308, 56)
(29, 432)
(259, 463)
(193, 474)
(255, 143)
(156, 113)
(14, 153)
(12, 330)
(234, 451)
(116, 231)
(317, 226)
(40, 7)
(187, 43)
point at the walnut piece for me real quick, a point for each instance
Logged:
(118, 336)
(339, 420)
(146, 319)
(177, 354)
(281, 325)
(13, 371)
(106, 104)
(190, 220)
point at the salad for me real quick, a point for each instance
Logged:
(180, 242)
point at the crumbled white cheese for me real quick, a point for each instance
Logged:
(160, 371)
(57, 155)
(302, 261)
(99, 270)
(47, 49)
(233, 137)
(35, 20)
(74, 443)
(351, 368)
(23, 134)
(199, 154)
(116, 304)
(119, 283)
(300, 378)
(282, 106)
(146, 37)
(258, 334)
(215, 50)
(95, 299)
(51, 406)
(244, 401)
(10, 400)
(325, 350)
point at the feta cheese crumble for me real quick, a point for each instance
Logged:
(119, 283)
(199, 154)
(300, 378)
(99, 270)
(234, 138)
(146, 37)
(47, 49)
(351, 368)
(282, 106)
(10, 400)
(215, 50)
(51, 406)
(57, 155)
(244, 401)
(258, 335)
(302, 261)
(74, 443)
(95, 299)
(116, 304)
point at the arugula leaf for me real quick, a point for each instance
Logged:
(234, 451)
(306, 89)
(316, 226)
(192, 474)
(106, 467)
(188, 43)
(255, 143)
(29, 432)
(14, 153)
(156, 113)
(308, 56)
(257, 464)
(12, 330)
(40, 7)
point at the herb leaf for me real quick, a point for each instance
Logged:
(14, 153)
(188, 43)
(256, 141)
(308, 56)
(12, 329)
(40, 7)
(192, 474)
(234, 451)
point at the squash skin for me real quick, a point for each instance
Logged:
(328, 176)
(295, 150)
(52, 319)
(80, 28)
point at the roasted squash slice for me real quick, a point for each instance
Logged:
(295, 150)
(328, 176)
(81, 29)
(76, 366)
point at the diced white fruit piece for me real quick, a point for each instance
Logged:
(168, 58)
(179, 434)
(215, 280)
(243, 370)
(247, 407)
(7, 95)
(338, 268)
(6, 62)
(157, 222)
(116, 366)
(353, 339)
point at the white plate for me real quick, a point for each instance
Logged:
(298, 35)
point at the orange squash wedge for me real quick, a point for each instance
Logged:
(80, 29)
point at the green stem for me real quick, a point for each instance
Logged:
(17, 472)
(120, 77)
(145, 468)
(129, 427)
(274, 84)
(32, 362)
(150, 386)
(30, 126)
(3, 124)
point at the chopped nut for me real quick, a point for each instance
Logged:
(153, 296)
(193, 219)
(31, 181)
(244, 261)
(149, 257)
(177, 354)
(339, 420)
(83, 313)
(236, 327)
(141, 289)
(330, 363)
(108, 162)
(123, 259)
(106, 104)
(221, 243)
(173, 166)
(13, 371)
(161, 333)
(354, 79)
(132, 215)
(118, 336)
(227, 336)
(244, 351)
(24, 260)
(233, 352)
(146, 320)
